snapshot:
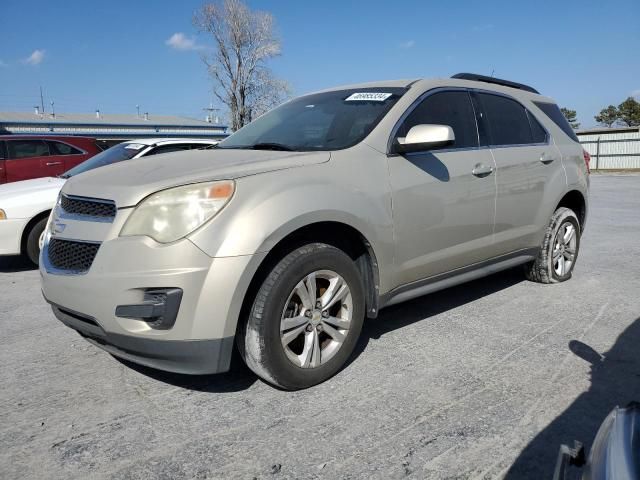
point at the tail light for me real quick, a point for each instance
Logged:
(587, 160)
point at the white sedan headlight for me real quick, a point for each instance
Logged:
(169, 215)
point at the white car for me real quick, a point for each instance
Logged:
(25, 205)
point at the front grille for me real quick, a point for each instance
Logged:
(88, 207)
(72, 256)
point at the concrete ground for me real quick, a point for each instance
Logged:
(484, 380)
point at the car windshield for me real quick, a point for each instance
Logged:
(115, 154)
(323, 121)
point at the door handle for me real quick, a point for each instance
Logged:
(53, 163)
(546, 159)
(482, 170)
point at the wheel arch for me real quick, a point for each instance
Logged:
(336, 233)
(575, 200)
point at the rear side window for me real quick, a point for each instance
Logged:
(507, 119)
(59, 148)
(27, 148)
(446, 108)
(3, 151)
(552, 111)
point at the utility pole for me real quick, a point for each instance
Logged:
(53, 110)
(210, 109)
(137, 111)
(41, 100)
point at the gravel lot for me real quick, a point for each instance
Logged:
(484, 380)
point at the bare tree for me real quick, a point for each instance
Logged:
(244, 40)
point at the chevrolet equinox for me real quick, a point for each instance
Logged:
(309, 219)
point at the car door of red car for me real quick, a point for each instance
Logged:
(3, 157)
(64, 156)
(27, 159)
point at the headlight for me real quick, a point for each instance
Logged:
(3, 216)
(171, 214)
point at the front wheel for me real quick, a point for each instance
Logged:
(559, 250)
(305, 319)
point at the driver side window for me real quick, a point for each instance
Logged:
(446, 108)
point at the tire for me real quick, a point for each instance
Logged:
(32, 249)
(546, 268)
(263, 339)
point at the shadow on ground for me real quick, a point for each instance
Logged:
(615, 381)
(15, 263)
(240, 377)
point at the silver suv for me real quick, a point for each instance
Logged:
(316, 215)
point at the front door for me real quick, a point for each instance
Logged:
(443, 212)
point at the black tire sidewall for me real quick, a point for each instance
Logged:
(283, 371)
(33, 241)
(566, 216)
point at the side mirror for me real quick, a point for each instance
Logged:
(425, 137)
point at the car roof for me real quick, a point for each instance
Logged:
(170, 141)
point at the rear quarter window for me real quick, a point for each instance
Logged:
(552, 111)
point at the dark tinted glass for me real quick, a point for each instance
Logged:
(323, 121)
(27, 148)
(552, 111)
(3, 150)
(446, 108)
(507, 120)
(115, 154)
(59, 148)
(539, 133)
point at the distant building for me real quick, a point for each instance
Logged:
(616, 148)
(108, 128)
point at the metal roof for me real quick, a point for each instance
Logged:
(106, 119)
(591, 131)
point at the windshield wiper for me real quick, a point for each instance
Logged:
(272, 146)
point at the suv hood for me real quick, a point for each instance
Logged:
(129, 182)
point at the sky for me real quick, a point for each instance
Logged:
(112, 56)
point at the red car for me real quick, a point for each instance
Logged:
(32, 156)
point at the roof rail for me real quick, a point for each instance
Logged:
(498, 81)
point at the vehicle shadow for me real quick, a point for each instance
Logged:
(404, 314)
(238, 378)
(614, 382)
(15, 263)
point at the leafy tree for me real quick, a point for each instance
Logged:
(244, 41)
(570, 115)
(608, 116)
(629, 112)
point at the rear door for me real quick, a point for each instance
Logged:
(3, 158)
(443, 213)
(63, 157)
(26, 159)
(526, 160)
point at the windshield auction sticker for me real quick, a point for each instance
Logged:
(367, 97)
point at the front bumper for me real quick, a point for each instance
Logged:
(124, 269)
(192, 357)
(11, 235)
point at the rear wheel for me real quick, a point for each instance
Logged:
(559, 250)
(32, 249)
(305, 319)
